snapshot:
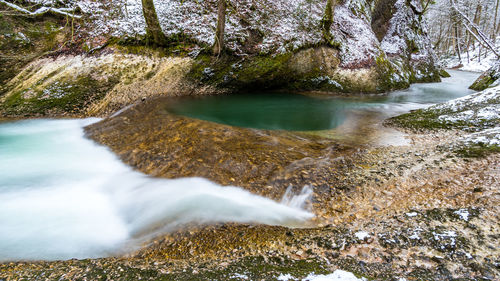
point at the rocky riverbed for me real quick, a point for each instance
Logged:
(425, 208)
(421, 211)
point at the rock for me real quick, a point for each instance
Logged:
(490, 78)
(83, 85)
(443, 73)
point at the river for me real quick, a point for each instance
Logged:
(62, 196)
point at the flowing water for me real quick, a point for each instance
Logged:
(305, 113)
(63, 196)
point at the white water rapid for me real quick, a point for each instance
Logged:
(62, 196)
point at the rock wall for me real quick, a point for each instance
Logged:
(380, 46)
(84, 85)
(23, 40)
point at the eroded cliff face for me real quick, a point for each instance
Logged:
(400, 27)
(377, 46)
(24, 39)
(83, 85)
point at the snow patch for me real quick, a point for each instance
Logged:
(340, 275)
(486, 137)
(362, 235)
(240, 276)
(412, 214)
(285, 277)
(463, 214)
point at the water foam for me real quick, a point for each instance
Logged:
(62, 196)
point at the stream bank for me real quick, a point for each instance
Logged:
(102, 61)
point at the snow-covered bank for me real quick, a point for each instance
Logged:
(478, 114)
(477, 59)
(481, 110)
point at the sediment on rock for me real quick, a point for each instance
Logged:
(86, 85)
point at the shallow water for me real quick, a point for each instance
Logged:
(305, 113)
(63, 196)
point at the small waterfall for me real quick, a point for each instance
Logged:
(298, 201)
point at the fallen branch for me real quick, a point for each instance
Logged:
(43, 10)
(471, 26)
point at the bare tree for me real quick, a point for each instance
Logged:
(464, 26)
(153, 28)
(327, 21)
(474, 30)
(494, 31)
(221, 25)
(65, 11)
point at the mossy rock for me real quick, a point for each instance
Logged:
(60, 98)
(23, 39)
(462, 114)
(309, 69)
(227, 71)
(418, 120)
(443, 73)
(487, 79)
(477, 150)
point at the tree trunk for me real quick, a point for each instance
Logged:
(221, 25)
(327, 21)
(475, 30)
(494, 31)
(153, 28)
(457, 43)
(471, 38)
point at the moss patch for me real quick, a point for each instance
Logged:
(257, 72)
(482, 83)
(258, 268)
(487, 78)
(59, 98)
(443, 73)
(431, 118)
(421, 119)
(23, 39)
(477, 150)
